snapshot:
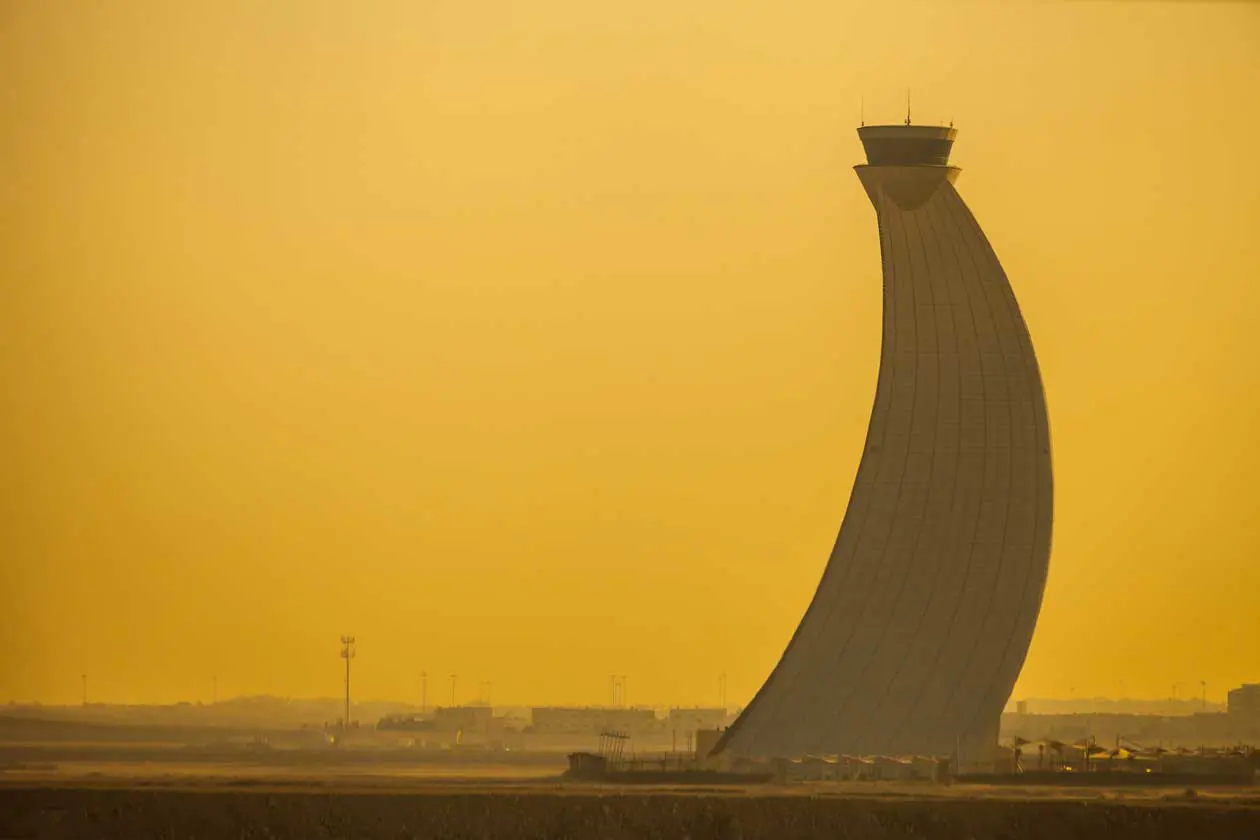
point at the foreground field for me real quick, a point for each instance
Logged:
(279, 809)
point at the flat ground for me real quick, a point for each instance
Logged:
(240, 800)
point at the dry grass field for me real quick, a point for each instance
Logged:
(230, 804)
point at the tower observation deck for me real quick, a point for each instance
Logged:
(907, 145)
(926, 607)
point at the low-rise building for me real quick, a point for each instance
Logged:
(689, 720)
(706, 740)
(592, 720)
(1244, 701)
(462, 719)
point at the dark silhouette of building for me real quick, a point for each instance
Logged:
(923, 617)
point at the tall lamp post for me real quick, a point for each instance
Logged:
(347, 653)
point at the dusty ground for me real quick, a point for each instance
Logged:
(240, 801)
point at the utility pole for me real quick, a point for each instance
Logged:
(214, 693)
(347, 653)
(1203, 684)
(722, 689)
(84, 678)
(453, 678)
(424, 691)
(624, 692)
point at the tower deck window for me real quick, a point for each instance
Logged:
(907, 145)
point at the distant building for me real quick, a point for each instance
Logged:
(462, 719)
(404, 723)
(694, 719)
(1244, 701)
(706, 740)
(591, 720)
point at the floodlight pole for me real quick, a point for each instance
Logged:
(347, 653)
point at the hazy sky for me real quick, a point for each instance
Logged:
(536, 341)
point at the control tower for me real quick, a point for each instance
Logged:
(920, 625)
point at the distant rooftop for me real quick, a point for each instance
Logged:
(907, 145)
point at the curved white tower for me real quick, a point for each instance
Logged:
(923, 617)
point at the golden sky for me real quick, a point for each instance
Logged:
(535, 342)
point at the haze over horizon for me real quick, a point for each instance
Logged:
(537, 344)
